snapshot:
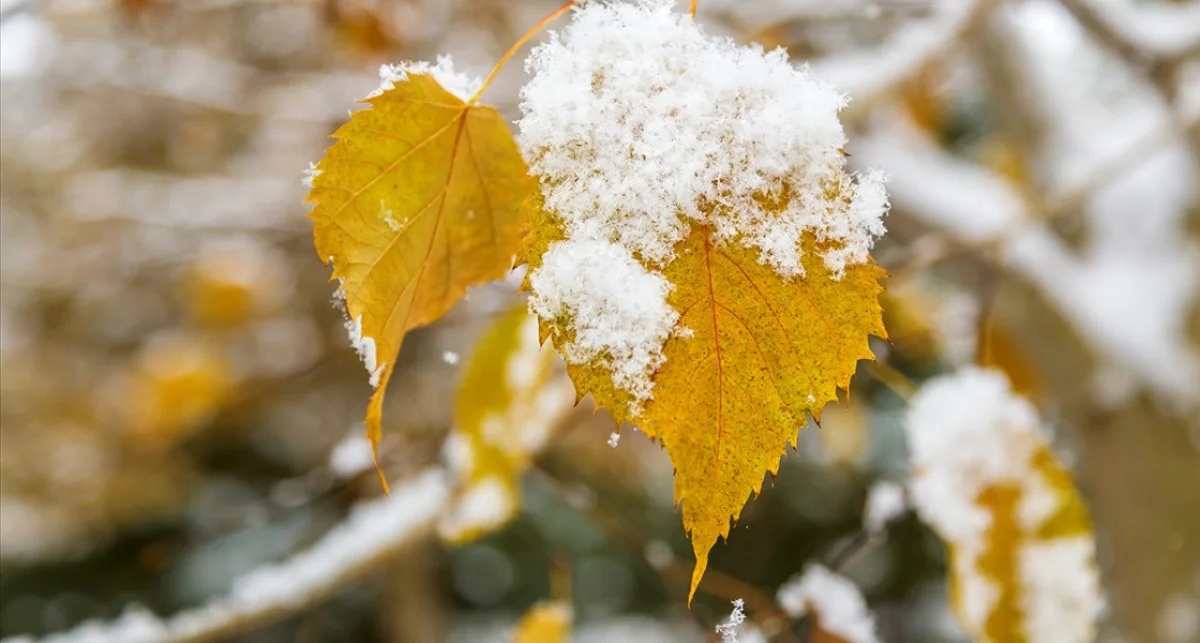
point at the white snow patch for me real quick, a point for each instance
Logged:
(618, 309)
(836, 603)
(450, 357)
(638, 123)
(484, 505)
(1060, 603)
(614, 439)
(365, 346)
(351, 456)
(886, 501)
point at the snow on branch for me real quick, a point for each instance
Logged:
(869, 75)
(374, 532)
(1142, 31)
(1122, 299)
(833, 600)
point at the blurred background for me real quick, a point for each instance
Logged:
(180, 404)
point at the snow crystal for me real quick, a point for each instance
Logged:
(619, 309)
(614, 439)
(450, 357)
(638, 123)
(885, 502)
(835, 601)
(729, 629)
(310, 175)
(459, 84)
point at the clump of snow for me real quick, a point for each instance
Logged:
(833, 600)
(484, 505)
(639, 126)
(729, 629)
(967, 433)
(614, 439)
(450, 357)
(453, 81)
(365, 347)
(618, 308)
(351, 456)
(638, 123)
(886, 501)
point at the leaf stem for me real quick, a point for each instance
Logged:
(695, 3)
(520, 42)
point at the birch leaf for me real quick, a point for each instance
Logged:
(417, 200)
(760, 354)
(512, 395)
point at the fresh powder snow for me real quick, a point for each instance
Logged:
(640, 125)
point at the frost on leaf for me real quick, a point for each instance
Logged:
(698, 250)
(1022, 554)
(512, 394)
(837, 608)
(418, 199)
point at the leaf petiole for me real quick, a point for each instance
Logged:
(517, 45)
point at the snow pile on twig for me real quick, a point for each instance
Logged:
(834, 601)
(374, 531)
(984, 479)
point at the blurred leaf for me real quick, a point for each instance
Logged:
(548, 622)
(417, 200)
(1002, 561)
(1004, 353)
(512, 395)
(178, 384)
(907, 316)
(361, 25)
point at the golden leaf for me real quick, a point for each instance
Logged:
(512, 395)
(418, 199)
(548, 622)
(763, 353)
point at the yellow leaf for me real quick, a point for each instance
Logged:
(512, 395)
(418, 199)
(762, 354)
(548, 622)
